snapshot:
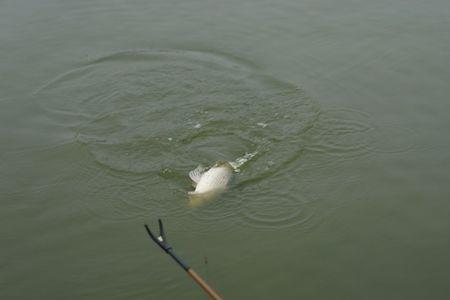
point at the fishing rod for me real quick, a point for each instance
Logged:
(161, 241)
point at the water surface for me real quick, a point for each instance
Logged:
(105, 106)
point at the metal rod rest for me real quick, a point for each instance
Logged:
(161, 241)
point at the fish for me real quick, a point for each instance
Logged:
(209, 183)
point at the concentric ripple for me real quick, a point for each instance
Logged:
(148, 117)
(341, 133)
(275, 209)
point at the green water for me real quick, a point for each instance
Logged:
(105, 106)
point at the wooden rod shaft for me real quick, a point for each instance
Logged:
(211, 293)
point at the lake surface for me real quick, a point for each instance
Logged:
(337, 112)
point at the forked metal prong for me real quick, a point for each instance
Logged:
(161, 239)
(162, 234)
(150, 233)
(161, 242)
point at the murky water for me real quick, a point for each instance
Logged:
(334, 113)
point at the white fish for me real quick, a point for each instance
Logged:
(210, 183)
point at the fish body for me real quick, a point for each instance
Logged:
(215, 179)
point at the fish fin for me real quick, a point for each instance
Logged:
(196, 174)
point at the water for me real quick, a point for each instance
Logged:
(334, 112)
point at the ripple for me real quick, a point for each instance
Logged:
(134, 105)
(151, 115)
(275, 209)
(341, 133)
(219, 215)
(391, 138)
(147, 117)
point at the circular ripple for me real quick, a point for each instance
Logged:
(148, 117)
(268, 208)
(341, 133)
(146, 108)
(220, 214)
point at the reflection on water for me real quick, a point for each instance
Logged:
(150, 116)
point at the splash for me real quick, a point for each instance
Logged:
(240, 161)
